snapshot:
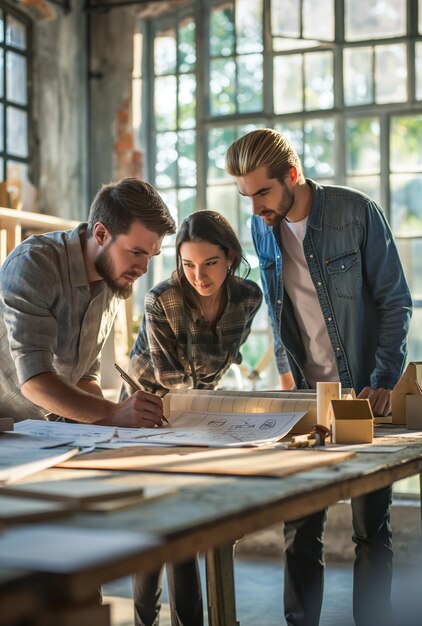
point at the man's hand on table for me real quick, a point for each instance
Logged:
(379, 400)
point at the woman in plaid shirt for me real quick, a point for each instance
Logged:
(192, 330)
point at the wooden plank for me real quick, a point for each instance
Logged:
(249, 462)
(15, 510)
(41, 221)
(78, 492)
(133, 458)
(103, 492)
(234, 461)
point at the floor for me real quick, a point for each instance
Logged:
(259, 584)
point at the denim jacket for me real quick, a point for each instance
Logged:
(354, 265)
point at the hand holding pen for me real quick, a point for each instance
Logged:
(150, 402)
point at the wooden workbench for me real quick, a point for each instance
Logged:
(208, 513)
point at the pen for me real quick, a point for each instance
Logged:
(134, 385)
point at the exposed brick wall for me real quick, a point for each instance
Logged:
(128, 161)
(154, 9)
(39, 9)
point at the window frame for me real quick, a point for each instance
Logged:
(5, 155)
(340, 113)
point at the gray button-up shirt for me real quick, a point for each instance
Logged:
(50, 318)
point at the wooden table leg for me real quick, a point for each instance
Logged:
(220, 586)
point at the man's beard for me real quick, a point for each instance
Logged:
(105, 268)
(286, 203)
(275, 217)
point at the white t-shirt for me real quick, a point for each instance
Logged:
(320, 364)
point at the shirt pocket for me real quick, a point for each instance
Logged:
(346, 273)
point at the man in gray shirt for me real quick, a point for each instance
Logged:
(58, 298)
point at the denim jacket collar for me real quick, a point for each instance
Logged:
(317, 209)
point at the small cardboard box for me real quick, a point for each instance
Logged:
(410, 383)
(353, 421)
(414, 412)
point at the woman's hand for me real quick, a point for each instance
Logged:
(287, 382)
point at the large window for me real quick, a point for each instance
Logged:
(342, 79)
(14, 98)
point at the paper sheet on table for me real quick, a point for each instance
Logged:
(16, 462)
(51, 434)
(225, 429)
(187, 428)
(116, 444)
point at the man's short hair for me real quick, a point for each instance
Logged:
(118, 204)
(263, 147)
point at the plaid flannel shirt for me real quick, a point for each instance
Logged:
(159, 358)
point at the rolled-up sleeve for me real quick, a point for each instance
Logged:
(94, 372)
(28, 283)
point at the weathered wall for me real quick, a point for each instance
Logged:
(60, 112)
(82, 128)
(112, 150)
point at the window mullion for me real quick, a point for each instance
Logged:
(385, 163)
(268, 66)
(148, 94)
(202, 13)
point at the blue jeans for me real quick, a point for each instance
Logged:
(304, 563)
(185, 595)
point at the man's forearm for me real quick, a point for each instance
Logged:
(53, 394)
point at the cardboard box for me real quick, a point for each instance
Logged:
(414, 412)
(353, 421)
(410, 383)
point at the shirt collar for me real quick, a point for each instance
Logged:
(77, 269)
(317, 208)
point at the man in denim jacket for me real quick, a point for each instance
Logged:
(340, 309)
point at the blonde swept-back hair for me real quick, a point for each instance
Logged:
(263, 147)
